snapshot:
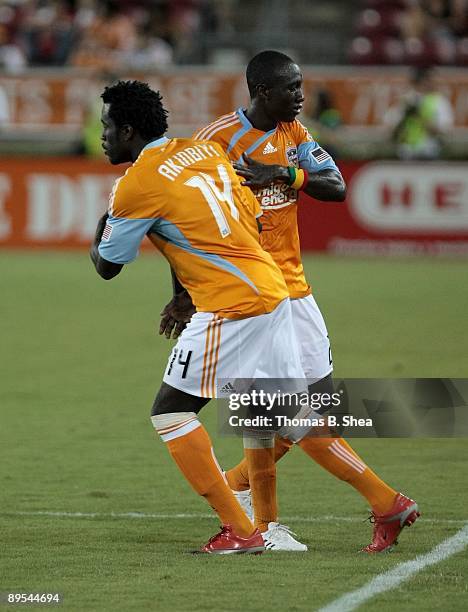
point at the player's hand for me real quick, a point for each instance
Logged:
(176, 315)
(257, 174)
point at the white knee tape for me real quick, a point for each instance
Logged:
(303, 423)
(263, 440)
(163, 422)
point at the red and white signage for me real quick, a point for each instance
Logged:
(52, 203)
(411, 198)
(391, 208)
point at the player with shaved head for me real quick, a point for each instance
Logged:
(278, 159)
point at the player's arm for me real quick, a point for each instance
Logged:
(325, 184)
(119, 233)
(324, 180)
(178, 312)
(105, 269)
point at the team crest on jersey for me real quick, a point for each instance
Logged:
(291, 154)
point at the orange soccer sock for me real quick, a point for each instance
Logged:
(282, 445)
(262, 477)
(238, 476)
(190, 446)
(338, 458)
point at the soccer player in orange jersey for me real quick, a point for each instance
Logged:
(278, 158)
(186, 197)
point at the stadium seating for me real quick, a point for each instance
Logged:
(372, 22)
(380, 38)
(462, 52)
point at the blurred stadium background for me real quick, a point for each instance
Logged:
(359, 61)
(81, 360)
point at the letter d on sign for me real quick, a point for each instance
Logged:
(52, 207)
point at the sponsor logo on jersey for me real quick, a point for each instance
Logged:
(291, 154)
(269, 148)
(276, 195)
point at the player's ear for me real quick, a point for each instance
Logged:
(263, 92)
(127, 132)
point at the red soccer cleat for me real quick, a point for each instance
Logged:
(387, 527)
(226, 542)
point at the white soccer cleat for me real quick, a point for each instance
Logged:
(245, 500)
(279, 537)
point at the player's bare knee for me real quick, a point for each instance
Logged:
(324, 385)
(172, 400)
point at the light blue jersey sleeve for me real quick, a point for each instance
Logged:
(313, 158)
(122, 237)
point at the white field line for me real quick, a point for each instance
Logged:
(400, 573)
(177, 516)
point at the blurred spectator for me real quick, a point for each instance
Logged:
(188, 20)
(421, 121)
(4, 109)
(414, 32)
(108, 36)
(12, 58)
(150, 53)
(142, 36)
(434, 18)
(323, 121)
(48, 32)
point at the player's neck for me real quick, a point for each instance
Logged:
(258, 118)
(138, 146)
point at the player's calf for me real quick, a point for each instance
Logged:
(190, 446)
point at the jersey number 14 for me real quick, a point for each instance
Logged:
(215, 197)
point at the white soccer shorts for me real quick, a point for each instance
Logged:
(312, 339)
(212, 349)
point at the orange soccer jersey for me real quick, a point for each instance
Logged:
(187, 198)
(282, 146)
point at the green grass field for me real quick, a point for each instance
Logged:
(80, 365)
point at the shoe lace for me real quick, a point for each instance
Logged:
(372, 520)
(222, 534)
(375, 522)
(283, 532)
